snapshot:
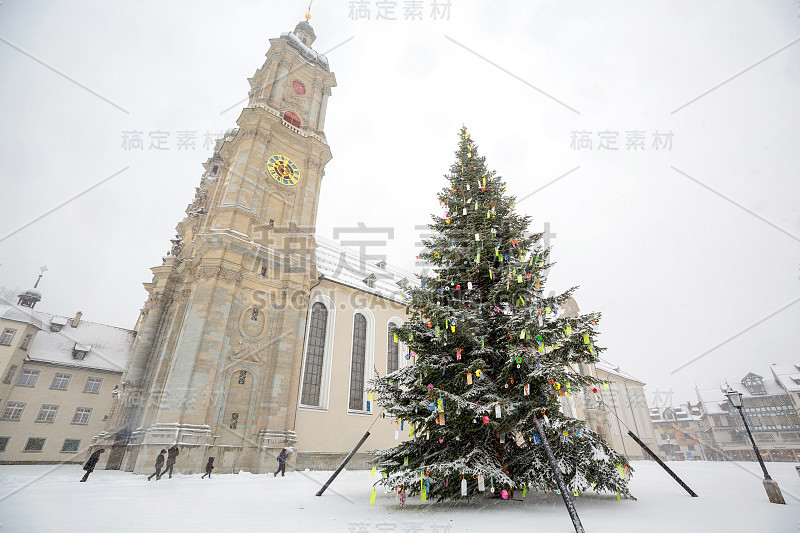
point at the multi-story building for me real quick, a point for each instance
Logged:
(677, 429)
(58, 378)
(771, 416)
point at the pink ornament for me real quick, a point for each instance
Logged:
(485, 419)
(441, 441)
(504, 494)
(430, 386)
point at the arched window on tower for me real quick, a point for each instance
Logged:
(315, 355)
(358, 362)
(292, 119)
(392, 350)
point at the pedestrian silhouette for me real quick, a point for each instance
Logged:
(91, 463)
(209, 468)
(172, 455)
(159, 466)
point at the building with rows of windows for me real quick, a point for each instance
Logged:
(58, 376)
(771, 408)
(677, 429)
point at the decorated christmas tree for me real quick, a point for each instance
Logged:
(490, 354)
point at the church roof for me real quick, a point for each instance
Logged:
(347, 267)
(610, 368)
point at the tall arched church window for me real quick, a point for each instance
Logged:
(315, 355)
(392, 350)
(292, 119)
(358, 361)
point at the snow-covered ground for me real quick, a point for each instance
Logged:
(50, 499)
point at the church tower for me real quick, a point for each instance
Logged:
(217, 361)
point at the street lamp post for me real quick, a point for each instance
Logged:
(770, 485)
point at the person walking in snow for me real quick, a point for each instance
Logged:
(281, 463)
(209, 468)
(172, 456)
(159, 466)
(91, 463)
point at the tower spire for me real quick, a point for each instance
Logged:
(308, 13)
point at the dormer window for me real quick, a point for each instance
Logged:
(80, 350)
(370, 280)
(381, 264)
(56, 323)
(214, 170)
(403, 283)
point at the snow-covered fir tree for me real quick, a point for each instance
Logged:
(491, 352)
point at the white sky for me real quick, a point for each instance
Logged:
(675, 268)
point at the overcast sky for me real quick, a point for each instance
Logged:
(681, 248)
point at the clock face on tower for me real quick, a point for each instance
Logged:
(283, 170)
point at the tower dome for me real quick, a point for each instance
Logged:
(305, 32)
(32, 296)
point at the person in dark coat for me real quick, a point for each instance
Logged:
(172, 455)
(281, 463)
(209, 468)
(159, 466)
(91, 463)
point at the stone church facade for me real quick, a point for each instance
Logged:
(257, 334)
(234, 353)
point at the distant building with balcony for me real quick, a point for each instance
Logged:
(770, 406)
(677, 431)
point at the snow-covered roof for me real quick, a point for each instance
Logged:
(682, 413)
(788, 376)
(106, 347)
(17, 313)
(606, 366)
(347, 267)
(305, 52)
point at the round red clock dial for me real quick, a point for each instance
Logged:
(298, 87)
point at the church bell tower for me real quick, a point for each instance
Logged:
(216, 364)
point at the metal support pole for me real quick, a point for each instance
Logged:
(755, 448)
(573, 513)
(344, 463)
(660, 462)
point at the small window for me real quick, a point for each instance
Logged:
(78, 354)
(34, 444)
(214, 170)
(55, 327)
(292, 119)
(370, 280)
(272, 222)
(70, 445)
(82, 415)
(7, 336)
(254, 315)
(93, 385)
(25, 341)
(28, 378)
(242, 377)
(10, 374)
(264, 271)
(234, 420)
(13, 411)
(4, 443)
(60, 381)
(47, 413)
